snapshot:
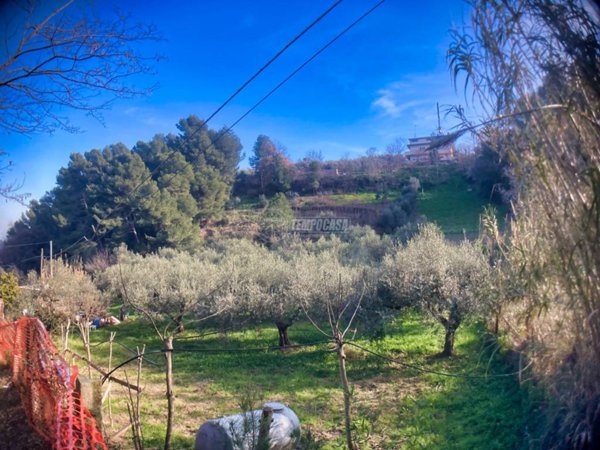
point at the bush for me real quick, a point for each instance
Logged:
(440, 277)
(401, 211)
(9, 288)
(59, 298)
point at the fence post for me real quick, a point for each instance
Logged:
(265, 427)
(90, 392)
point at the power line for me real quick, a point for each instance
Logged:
(25, 245)
(305, 63)
(82, 238)
(214, 351)
(436, 372)
(277, 55)
(232, 96)
(273, 90)
(46, 258)
(208, 351)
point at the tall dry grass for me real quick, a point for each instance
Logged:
(536, 64)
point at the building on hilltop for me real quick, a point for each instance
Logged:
(430, 149)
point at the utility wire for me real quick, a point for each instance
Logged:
(208, 351)
(277, 55)
(231, 97)
(436, 372)
(25, 245)
(213, 351)
(277, 87)
(305, 63)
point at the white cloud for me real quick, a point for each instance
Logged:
(407, 106)
(391, 101)
(386, 102)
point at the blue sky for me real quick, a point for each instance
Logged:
(379, 82)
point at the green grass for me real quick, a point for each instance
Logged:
(247, 203)
(394, 407)
(359, 197)
(454, 206)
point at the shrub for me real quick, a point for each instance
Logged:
(59, 298)
(9, 288)
(400, 212)
(438, 276)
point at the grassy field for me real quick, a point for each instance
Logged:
(394, 407)
(453, 205)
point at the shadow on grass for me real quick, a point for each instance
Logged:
(407, 409)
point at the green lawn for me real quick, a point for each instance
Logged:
(394, 407)
(453, 205)
(360, 197)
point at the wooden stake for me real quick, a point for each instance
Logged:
(51, 272)
(265, 427)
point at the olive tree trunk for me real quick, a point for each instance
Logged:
(449, 342)
(282, 328)
(346, 387)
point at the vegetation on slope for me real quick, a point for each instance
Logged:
(453, 205)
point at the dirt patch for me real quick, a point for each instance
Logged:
(15, 432)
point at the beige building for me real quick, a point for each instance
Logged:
(430, 148)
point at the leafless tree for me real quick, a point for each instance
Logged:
(9, 190)
(396, 147)
(71, 56)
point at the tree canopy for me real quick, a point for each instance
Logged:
(271, 166)
(155, 195)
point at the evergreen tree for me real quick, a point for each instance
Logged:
(214, 157)
(147, 198)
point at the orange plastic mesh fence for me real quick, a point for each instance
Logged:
(7, 342)
(46, 385)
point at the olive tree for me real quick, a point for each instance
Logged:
(331, 291)
(62, 297)
(277, 296)
(441, 277)
(167, 288)
(169, 285)
(264, 290)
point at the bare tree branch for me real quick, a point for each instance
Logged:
(68, 58)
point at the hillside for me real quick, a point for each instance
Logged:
(454, 206)
(445, 198)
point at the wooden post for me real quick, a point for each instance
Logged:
(264, 429)
(51, 272)
(91, 396)
(42, 263)
(346, 388)
(168, 342)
